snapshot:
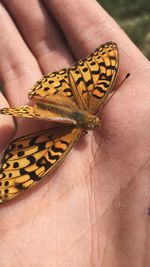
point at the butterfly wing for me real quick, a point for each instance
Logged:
(92, 78)
(54, 88)
(84, 85)
(28, 159)
(36, 112)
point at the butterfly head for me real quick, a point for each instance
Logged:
(85, 120)
(93, 121)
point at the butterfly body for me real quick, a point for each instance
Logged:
(71, 97)
(80, 118)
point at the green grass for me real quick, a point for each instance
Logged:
(134, 18)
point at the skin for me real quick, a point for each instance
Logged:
(93, 210)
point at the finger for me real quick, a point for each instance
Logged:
(40, 33)
(7, 128)
(87, 25)
(18, 67)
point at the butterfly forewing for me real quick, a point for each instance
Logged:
(108, 60)
(28, 159)
(92, 78)
(85, 85)
(54, 87)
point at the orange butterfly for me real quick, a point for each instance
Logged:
(71, 96)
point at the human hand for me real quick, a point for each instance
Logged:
(92, 210)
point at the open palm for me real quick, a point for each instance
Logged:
(92, 211)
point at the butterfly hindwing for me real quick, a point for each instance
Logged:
(28, 159)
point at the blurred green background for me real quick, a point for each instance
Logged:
(134, 17)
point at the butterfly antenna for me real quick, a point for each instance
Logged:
(126, 77)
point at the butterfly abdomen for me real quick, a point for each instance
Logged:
(80, 118)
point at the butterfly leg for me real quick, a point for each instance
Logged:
(84, 133)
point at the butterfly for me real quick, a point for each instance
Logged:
(72, 97)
